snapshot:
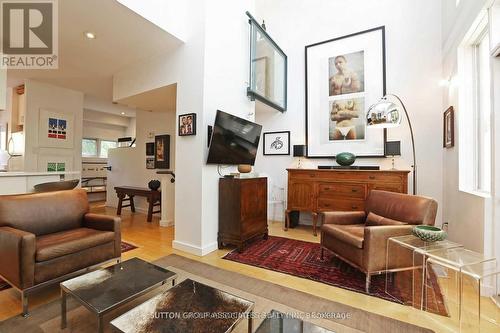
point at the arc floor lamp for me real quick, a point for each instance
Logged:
(387, 114)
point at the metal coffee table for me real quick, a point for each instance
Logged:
(106, 289)
(190, 307)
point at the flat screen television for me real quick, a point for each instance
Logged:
(234, 140)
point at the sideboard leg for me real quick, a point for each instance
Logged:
(287, 220)
(315, 221)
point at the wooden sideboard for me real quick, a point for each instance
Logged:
(242, 210)
(315, 191)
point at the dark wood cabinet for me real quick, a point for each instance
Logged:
(242, 210)
(317, 191)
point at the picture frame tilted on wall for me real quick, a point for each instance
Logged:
(344, 76)
(276, 143)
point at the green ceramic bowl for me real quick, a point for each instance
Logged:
(429, 233)
(345, 159)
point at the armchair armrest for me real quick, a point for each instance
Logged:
(105, 223)
(344, 217)
(375, 244)
(17, 257)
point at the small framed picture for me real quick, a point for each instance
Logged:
(150, 162)
(150, 149)
(449, 128)
(277, 143)
(187, 124)
(162, 151)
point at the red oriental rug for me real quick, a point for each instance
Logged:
(302, 259)
(125, 247)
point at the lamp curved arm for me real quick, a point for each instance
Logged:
(414, 166)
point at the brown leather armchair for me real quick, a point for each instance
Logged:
(360, 237)
(49, 237)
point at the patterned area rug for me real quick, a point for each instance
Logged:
(125, 247)
(303, 259)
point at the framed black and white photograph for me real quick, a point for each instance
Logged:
(344, 77)
(150, 162)
(276, 143)
(187, 124)
(162, 152)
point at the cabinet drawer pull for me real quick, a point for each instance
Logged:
(354, 207)
(371, 177)
(312, 175)
(327, 189)
(327, 205)
(354, 190)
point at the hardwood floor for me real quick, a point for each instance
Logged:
(155, 242)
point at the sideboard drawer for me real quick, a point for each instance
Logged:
(335, 190)
(394, 187)
(325, 204)
(380, 177)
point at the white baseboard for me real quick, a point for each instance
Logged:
(166, 223)
(193, 249)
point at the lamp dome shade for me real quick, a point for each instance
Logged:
(383, 114)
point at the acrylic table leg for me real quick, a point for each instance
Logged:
(63, 309)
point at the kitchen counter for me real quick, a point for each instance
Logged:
(34, 173)
(21, 182)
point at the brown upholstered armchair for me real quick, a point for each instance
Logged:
(360, 238)
(49, 237)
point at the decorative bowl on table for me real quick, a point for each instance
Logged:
(345, 159)
(429, 233)
(154, 185)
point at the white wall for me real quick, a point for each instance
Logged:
(464, 212)
(413, 52)
(45, 96)
(105, 126)
(218, 26)
(129, 164)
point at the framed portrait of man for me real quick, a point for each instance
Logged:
(344, 77)
(187, 124)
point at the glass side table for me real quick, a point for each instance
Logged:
(449, 267)
(405, 264)
(480, 286)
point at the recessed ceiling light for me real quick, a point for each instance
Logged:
(89, 35)
(123, 113)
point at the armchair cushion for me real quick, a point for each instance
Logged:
(377, 220)
(351, 234)
(375, 241)
(71, 241)
(344, 217)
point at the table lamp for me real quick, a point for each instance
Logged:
(299, 151)
(393, 148)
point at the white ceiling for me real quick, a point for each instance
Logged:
(161, 99)
(123, 38)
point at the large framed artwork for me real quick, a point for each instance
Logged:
(162, 152)
(55, 129)
(344, 76)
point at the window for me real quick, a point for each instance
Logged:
(105, 145)
(482, 114)
(97, 147)
(474, 116)
(89, 148)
